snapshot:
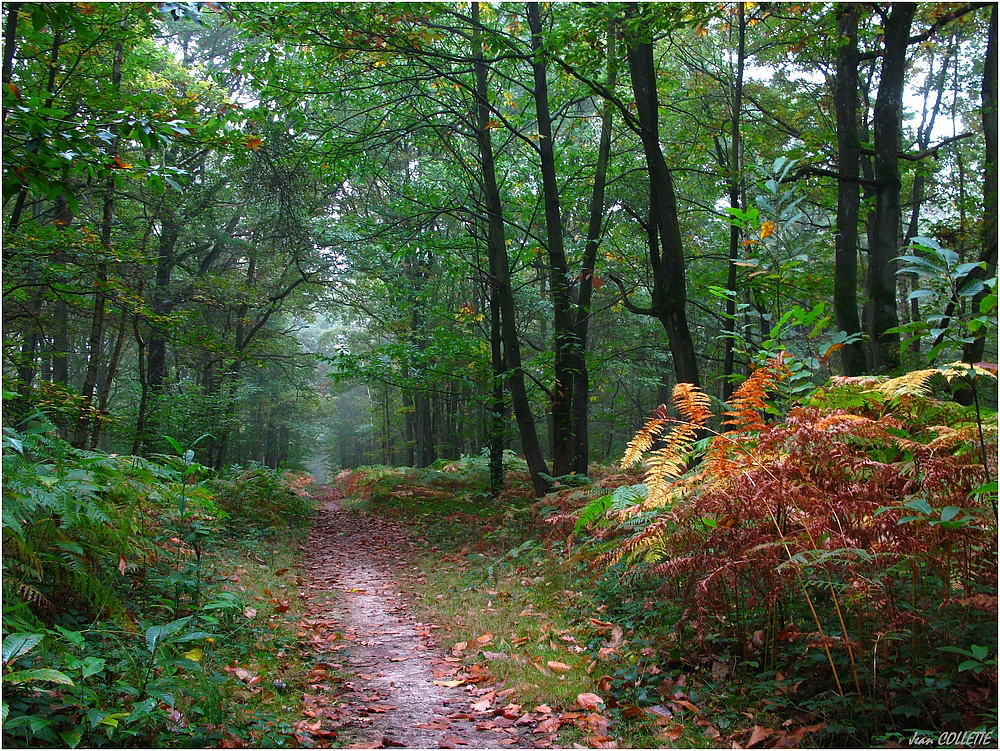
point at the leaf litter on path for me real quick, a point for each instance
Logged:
(379, 680)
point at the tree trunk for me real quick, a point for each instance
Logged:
(162, 303)
(497, 248)
(565, 341)
(666, 249)
(845, 280)
(87, 415)
(885, 230)
(498, 405)
(104, 385)
(975, 350)
(9, 45)
(409, 432)
(578, 363)
(736, 201)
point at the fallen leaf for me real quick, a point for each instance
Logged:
(450, 684)
(483, 705)
(589, 701)
(484, 639)
(672, 732)
(511, 711)
(434, 725)
(686, 705)
(558, 667)
(243, 674)
(759, 735)
(617, 637)
(550, 725)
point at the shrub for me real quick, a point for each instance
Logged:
(273, 497)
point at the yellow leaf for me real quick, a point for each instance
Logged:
(195, 654)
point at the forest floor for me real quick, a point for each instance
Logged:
(379, 678)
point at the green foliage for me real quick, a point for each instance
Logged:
(963, 300)
(596, 512)
(272, 496)
(112, 601)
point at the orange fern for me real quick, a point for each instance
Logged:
(749, 401)
(643, 440)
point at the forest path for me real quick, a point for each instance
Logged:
(378, 679)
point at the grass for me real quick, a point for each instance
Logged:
(255, 668)
(512, 615)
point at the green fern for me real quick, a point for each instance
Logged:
(592, 512)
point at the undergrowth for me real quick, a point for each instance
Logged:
(147, 602)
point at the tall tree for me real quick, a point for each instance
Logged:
(885, 222)
(845, 99)
(500, 267)
(665, 246)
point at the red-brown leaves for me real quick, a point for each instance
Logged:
(822, 495)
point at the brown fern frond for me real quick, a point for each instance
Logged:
(665, 494)
(856, 425)
(643, 440)
(667, 462)
(950, 438)
(32, 595)
(692, 403)
(749, 401)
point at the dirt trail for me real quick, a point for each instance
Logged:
(401, 689)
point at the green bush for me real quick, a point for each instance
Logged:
(115, 625)
(272, 497)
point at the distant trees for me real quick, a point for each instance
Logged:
(449, 189)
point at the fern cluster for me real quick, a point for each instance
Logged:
(870, 507)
